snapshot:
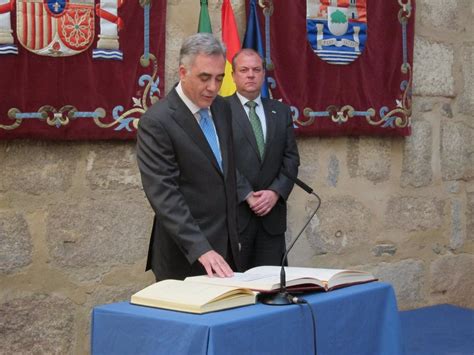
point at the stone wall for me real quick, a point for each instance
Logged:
(74, 222)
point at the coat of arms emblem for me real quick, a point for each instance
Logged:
(55, 27)
(337, 29)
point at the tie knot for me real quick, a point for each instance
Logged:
(204, 113)
(251, 104)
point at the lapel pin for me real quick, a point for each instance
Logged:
(274, 111)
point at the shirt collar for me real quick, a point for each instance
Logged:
(244, 100)
(189, 104)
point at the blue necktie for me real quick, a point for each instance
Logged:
(207, 126)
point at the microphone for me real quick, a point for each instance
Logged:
(283, 298)
(298, 182)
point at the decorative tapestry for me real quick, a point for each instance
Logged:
(79, 69)
(344, 66)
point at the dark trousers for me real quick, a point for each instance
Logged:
(260, 248)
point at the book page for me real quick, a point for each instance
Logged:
(325, 277)
(180, 292)
(293, 273)
(244, 277)
(251, 281)
(267, 278)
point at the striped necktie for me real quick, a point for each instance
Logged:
(207, 126)
(256, 126)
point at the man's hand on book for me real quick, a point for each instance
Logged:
(215, 264)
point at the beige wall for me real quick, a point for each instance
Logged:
(74, 222)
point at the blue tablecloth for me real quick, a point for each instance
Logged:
(361, 319)
(438, 330)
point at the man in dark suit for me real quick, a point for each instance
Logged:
(264, 145)
(186, 161)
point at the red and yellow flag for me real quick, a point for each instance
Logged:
(230, 37)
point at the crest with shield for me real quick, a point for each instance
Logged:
(337, 29)
(55, 27)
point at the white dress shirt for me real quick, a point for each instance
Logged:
(195, 109)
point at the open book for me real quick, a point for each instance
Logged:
(193, 297)
(267, 278)
(202, 294)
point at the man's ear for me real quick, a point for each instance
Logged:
(182, 71)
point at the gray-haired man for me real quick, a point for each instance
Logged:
(186, 162)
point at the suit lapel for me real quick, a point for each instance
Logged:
(190, 126)
(243, 121)
(270, 117)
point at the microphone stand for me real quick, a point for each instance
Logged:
(283, 298)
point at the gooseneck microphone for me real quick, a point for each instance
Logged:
(283, 298)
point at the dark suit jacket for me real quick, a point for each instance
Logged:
(194, 202)
(281, 152)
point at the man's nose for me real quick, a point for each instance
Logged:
(214, 85)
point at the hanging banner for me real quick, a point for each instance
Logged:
(79, 69)
(344, 66)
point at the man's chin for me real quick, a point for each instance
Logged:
(253, 92)
(206, 102)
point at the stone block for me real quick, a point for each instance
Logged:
(466, 96)
(423, 104)
(119, 293)
(447, 110)
(444, 15)
(174, 39)
(406, 277)
(456, 240)
(15, 242)
(342, 223)
(433, 68)
(384, 249)
(40, 167)
(113, 165)
(470, 217)
(333, 171)
(369, 158)
(452, 186)
(414, 213)
(452, 280)
(416, 169)
(37, 324)
(86, 238)
(309, 151)
(457, 151)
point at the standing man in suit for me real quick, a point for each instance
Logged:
(186, 160)
(264, 145)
